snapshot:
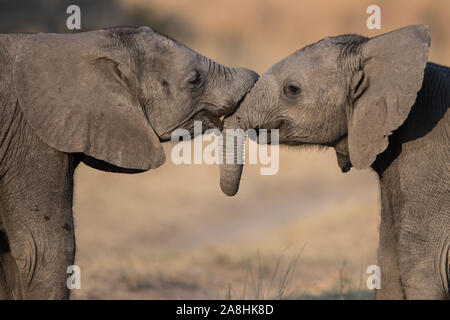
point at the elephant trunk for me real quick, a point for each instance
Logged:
(231, 167)
(250, 114)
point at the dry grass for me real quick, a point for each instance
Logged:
(170, 233)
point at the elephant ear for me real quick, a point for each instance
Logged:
(393, 67)
(79, 93)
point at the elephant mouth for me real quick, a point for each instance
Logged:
(286, 133)
(343, 158)
(210, 115)
(209, 120)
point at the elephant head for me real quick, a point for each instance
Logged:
(348, 92)
(116, 94)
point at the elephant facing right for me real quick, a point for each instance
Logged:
(379, 104)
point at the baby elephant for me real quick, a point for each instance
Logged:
(379, 104)
(107, 98)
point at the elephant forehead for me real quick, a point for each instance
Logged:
(322, 55)
(311, 61)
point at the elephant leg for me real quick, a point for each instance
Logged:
(4, 288)
(424, 253)
(391, 287)
(36, 197)
(9, 274)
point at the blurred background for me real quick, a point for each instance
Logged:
(307, 232)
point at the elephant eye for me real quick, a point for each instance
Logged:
(291, 91)
(195, 80)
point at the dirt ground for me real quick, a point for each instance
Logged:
(171, 233)
(307, 232)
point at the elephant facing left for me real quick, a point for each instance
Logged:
(107, 98)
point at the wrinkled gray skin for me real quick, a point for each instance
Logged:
(107, 98)
(358, 96)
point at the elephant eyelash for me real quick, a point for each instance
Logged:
(292, 91)
(196, 81)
